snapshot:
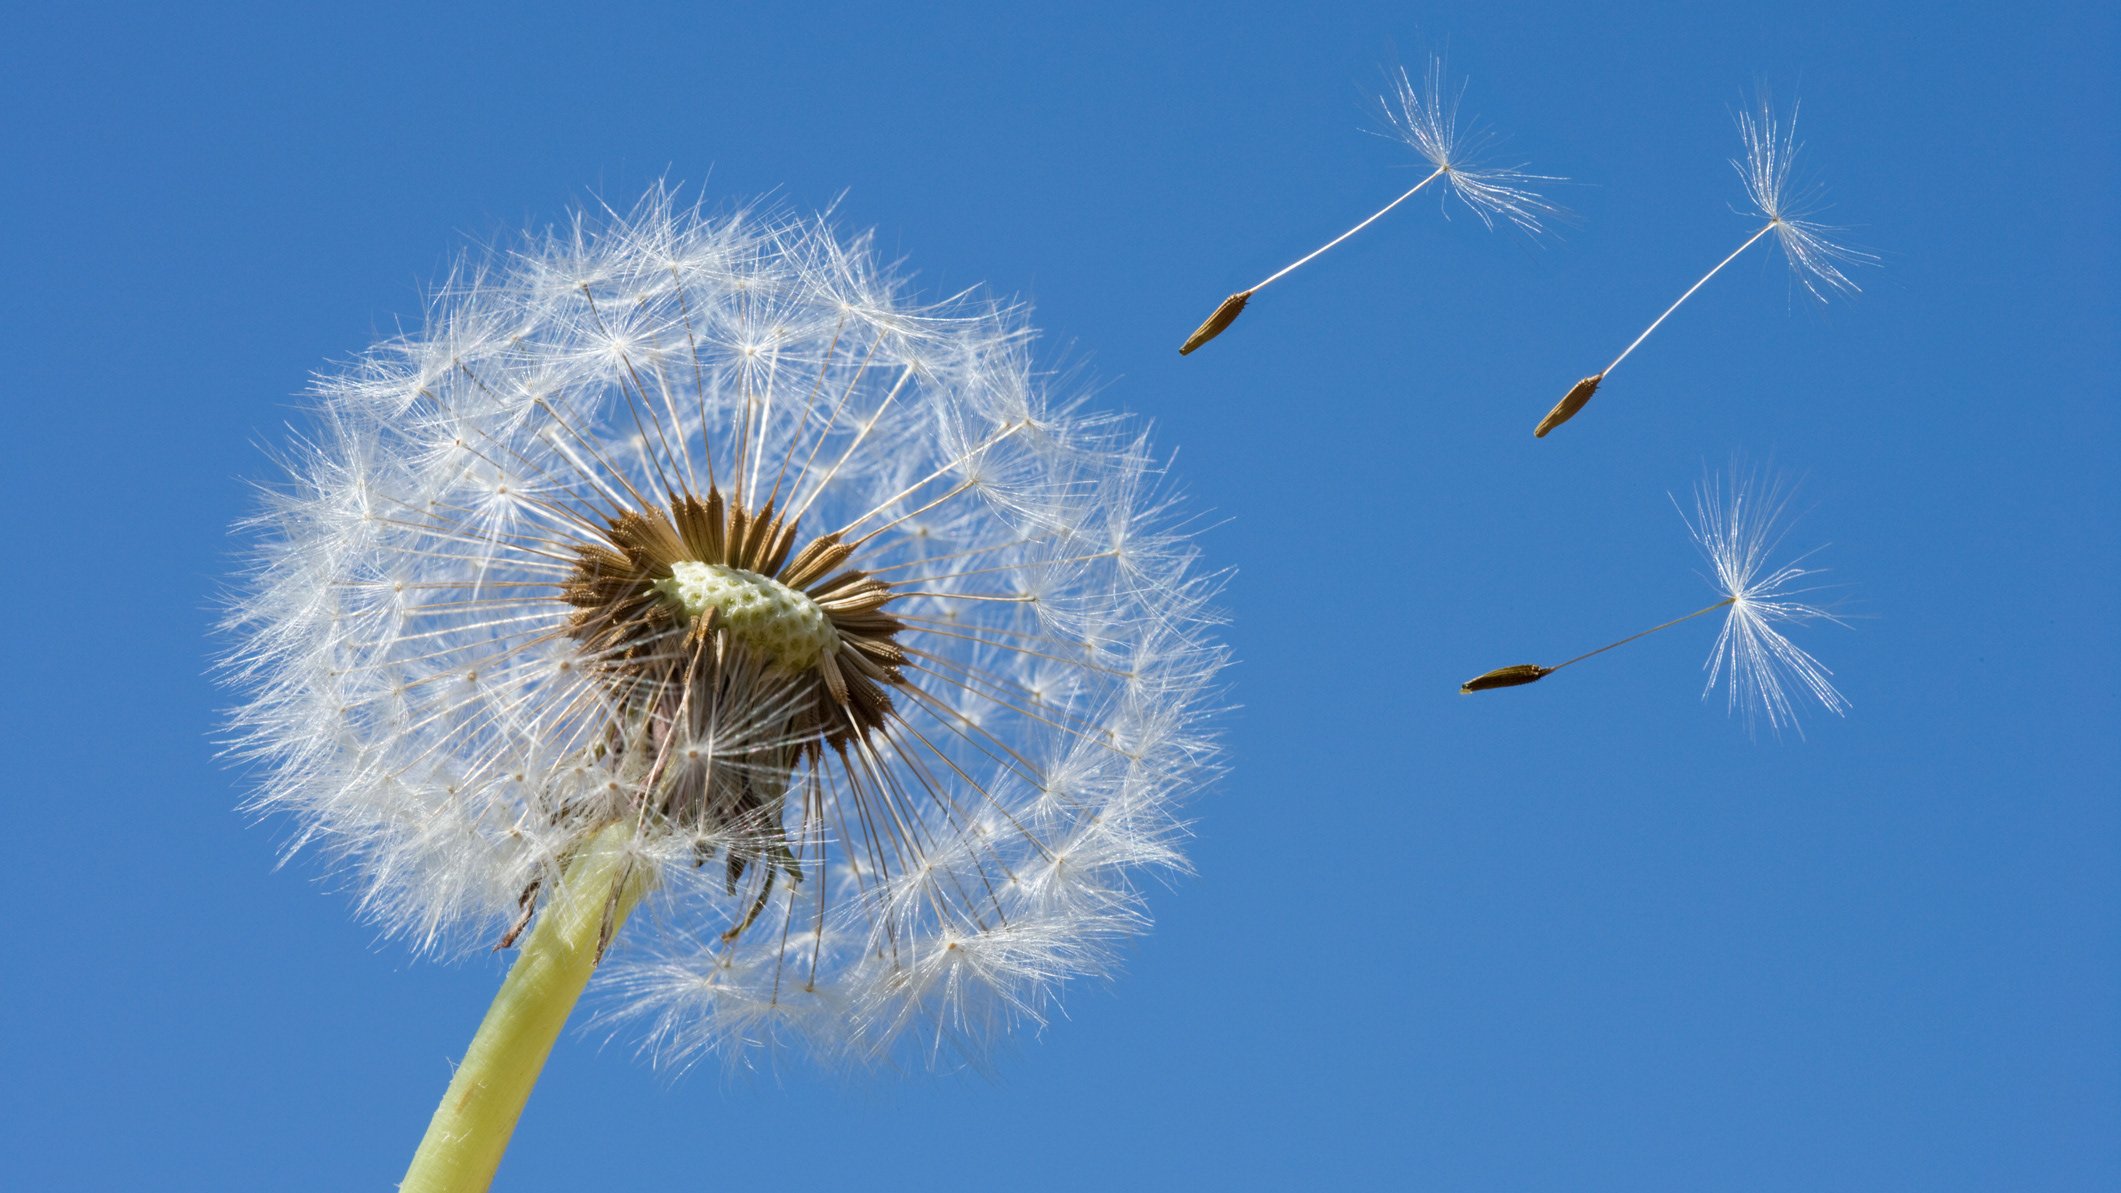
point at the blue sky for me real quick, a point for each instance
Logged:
(1586, 935)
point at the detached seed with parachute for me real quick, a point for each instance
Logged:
(1737, 525)
(1427, 120)
(1814, 259)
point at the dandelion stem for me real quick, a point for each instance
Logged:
(1769, 227)
(471, 1127)
(1644, 634)
(1306, 259)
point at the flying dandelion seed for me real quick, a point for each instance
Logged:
(1773, 195)
(681, 559)
(1738, 524)
(1427, 120)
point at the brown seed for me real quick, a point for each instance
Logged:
(1224, 316)
(1504, 677)
(1571, 402)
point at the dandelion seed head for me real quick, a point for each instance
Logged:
(696, 522)
(1425, 115)
(1739, 521)
(1783, 198)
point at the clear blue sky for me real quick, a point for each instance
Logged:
(1586, 935)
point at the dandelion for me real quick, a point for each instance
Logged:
(1773, 195)
(682, 563)
(1426, 118)
(1738, 524)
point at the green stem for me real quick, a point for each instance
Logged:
(470, 1129)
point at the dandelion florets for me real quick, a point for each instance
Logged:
(695, 523)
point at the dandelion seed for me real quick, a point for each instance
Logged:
(1425, 118)
(1774, 196)
(1513, 676)
(682, 561)
(1737, 523)
(1222, 317)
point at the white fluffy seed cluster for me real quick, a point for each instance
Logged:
(762, 612)
(416, 708)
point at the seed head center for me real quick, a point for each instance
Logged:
(777, 621)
